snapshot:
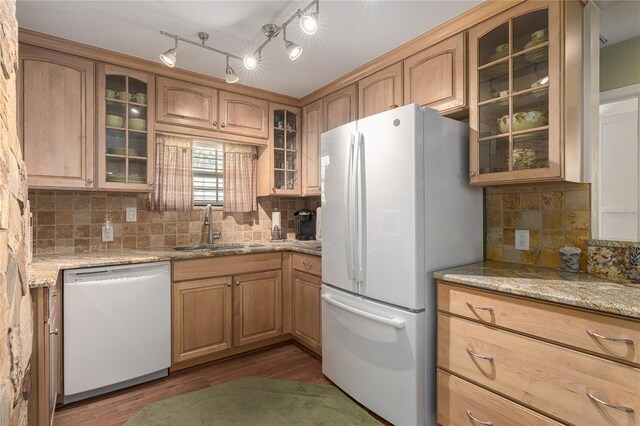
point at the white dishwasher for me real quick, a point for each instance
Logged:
(117, 327)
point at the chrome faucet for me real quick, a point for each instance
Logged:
(208, 221)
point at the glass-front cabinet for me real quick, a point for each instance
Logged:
(125, 129)
(285, 150)
(515, 114)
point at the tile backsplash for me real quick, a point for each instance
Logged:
(554, 214)
(66, 221)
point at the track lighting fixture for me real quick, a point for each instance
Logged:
(231, 75)
(169, 57)
(308, 24)
(293, 50)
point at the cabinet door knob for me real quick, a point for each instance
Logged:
(237, 282)
(89, 182)
(222, 124)
(215, 123)
(273, 189)
(229, 284)
(150, 183)
(56, 331)
(472, 174)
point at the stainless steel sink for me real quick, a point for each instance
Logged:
(217, 247)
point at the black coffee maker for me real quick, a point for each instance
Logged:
(305, 222)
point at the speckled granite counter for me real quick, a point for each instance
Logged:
(582, 290)
(43, 271)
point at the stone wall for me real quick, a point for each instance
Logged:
(16, 324)
(67, 222)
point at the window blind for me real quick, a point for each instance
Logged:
(207, 159)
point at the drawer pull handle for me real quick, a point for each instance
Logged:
(615, 407)
(611, 339)
(472, 353)
(480, 422)
(479, 308)
(307, 266)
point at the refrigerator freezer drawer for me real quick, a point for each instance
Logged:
(376, 354)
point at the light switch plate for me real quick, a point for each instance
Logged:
(522, 239)
(132, 214)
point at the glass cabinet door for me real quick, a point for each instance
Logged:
(285, 151)
(514, 95)
(126, 133)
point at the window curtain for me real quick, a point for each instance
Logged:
(173, 189)
(240, 170)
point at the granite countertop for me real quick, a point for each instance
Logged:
(581, 290)
(44, 269)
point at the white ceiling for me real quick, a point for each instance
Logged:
(619, 20)
(351, 33)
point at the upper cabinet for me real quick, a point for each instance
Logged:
(340, 107)
(311, 131)
(517, 88)
(380, 91)
(56, 118)
(435, 77)
(243, 115)
(186, 104)
(125, 129)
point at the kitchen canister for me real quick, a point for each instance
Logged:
(570, 258)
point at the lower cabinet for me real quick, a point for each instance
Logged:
(46, 361)
(202, 315)
(306, 283)
(225, 305)
(306, 310)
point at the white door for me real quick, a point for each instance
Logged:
(618, 169)
(376, 354)
(338, 238)
(392, 254)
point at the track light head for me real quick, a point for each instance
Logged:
(169, 57)
(293, 50)
(309, 23)
(250, 62)
(230, 75)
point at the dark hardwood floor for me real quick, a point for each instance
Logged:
(286, 362)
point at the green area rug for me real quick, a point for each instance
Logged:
(256, 401)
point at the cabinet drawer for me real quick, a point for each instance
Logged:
(564, 325)
(307, 263)
(225, 265)
(550, 378)
(459, 402)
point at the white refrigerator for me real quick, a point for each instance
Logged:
(396, 206)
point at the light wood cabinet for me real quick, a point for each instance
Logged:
(510, 346)
(125, 117)
(257, 309)
(306, 319)
(311, 132)
(56, 118)
(380, 91)
(436, 77)
(186, 104)
(279, 165)
(202, 317)
(243, 115)
(525, 73)
(340, 107)
(46, 364)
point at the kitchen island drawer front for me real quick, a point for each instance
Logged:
(615, 337)
(459, 402)
(225, 265)
(308, 264)
(555, 380)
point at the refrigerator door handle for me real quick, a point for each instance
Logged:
(361, 212)
(392, 322)
(348, 211)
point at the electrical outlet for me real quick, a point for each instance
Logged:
(522, 239)
(107, 233)
(132, 214)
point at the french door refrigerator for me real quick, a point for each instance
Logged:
(396, 206)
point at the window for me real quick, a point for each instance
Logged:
(208, 171)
